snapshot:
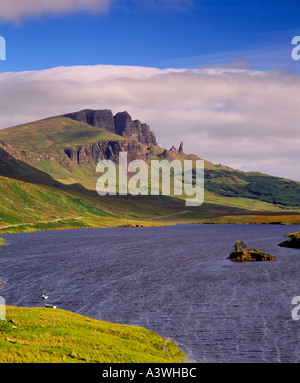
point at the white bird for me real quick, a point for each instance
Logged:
(44, 296)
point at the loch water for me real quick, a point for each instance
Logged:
(174, 280)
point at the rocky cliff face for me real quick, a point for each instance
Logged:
(121, 124)
(26, 155)
(107, 150)
(135, 130)
(86, 154)
(102, 118)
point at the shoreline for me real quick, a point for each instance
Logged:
(29, 228)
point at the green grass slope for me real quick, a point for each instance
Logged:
(69, 189)
(256, 186)
(52, 135)
(43, 335)
(27, 206)
(30, 207)
(10, 167)
(31, 200)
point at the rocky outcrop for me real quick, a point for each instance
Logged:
(250, 255)
(26, 155)
(180, 150)
(121, 124)
(106, 150)
(102, 118)
(125, 127)
(86, 154)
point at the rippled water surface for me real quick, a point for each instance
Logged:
(173, 280)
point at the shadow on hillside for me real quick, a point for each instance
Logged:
(10, 167)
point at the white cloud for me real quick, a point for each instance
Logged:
(14, 10)
(241, 118)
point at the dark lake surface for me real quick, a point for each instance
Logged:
(174, 280)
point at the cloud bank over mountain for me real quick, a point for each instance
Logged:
(242, 118)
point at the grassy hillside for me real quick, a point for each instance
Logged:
(43, 335)
(227, 187)
(52, 135)
(26, 206)
(42, 194)
(30, 207)
(31, 199)
(273, 190)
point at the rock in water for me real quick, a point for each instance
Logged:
(293, 241)
(251, 255)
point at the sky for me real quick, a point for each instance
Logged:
(217, 75)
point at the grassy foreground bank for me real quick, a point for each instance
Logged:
(43, 335)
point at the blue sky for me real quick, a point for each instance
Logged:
(161, 33)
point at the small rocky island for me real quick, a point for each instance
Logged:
(242, 254)
(293, 241)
